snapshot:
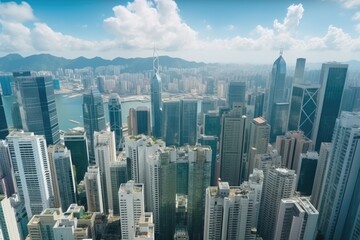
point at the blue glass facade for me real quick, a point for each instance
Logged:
(156, 105)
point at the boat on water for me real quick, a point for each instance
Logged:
(73, 121)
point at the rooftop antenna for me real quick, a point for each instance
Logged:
(281, 51)
(155, 61)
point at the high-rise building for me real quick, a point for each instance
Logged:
(156, 89)
(139, 121)
(13, 217)
(131, 200)
(212, 141)
(36, 99)
(93, 190)
(319, 174)
(212, 124)
(118, 175)
(279, 121)
(116, 119)
(266, 161)
(161, 171)
(16, 116)
(182, 171)
(199, 180)
(105, 152)
(303, 104)
(233, 147)
(296, 219)
(236, 93)
(171, 122)
(306, 172)
(279, 183)
(94, 119)
(290, 146)
(340, 210)
(188, 121)
(3, 124)
(299, 70)
(6, 170)
(259, 139)
(5, 82)
(332, 80)
(351, 99)
(63, 176)
(277, 87)
(232, 212)
(75, 140)
(259, 104)
(40, 226)
(31, 169)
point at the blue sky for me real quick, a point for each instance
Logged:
(211, 31)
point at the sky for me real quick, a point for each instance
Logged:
(228, 31)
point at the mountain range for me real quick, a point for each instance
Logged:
(47, 62)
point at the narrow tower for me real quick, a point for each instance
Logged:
(156, 98)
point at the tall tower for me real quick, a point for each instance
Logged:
(139, 121)
(171, 122)
(63, 175)
(236, 93)
(279, 183)
(188, 121)
(156, 89)
(116, 119)
(93, 190)
(299, 70)
(339, 209)
(332, 80)
(3, 125)
(233, 146)
(303, 104)
(6, 170)
(277, 85)
(31, 167)
(36, 99)
(199, 180)
(93, 115)
(76, 142)
(131, 200)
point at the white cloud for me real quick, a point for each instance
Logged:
(292, 19)
(142, 23)
(12, 12)
(350, 3)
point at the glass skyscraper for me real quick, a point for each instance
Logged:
(299, 70)
(116, 119)
(303, 105)
(332, 80)
(156, 105)
(277, 87)
(171, 122)
(3, 124)
(188, 121)
(93, 115)
(236, 93)
(5, 82)
(36, 99)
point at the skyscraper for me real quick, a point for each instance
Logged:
(279, 121)
(259, 139)
(156, 89)
(199, 180)
(139, 121)
(259, 104)
(3, 125)
(212, 124)
(36, 99)
(277, 85)
(171, 122)
(303, 106)
(6, 170)
(340, 209)
(306, 172)
(212, 141)
(233, 147)
(94, 119)
(236, 93)
(299, 70)
(116, 119)
(63, 175)
(94, 195)
(332, 80)
(5, 82)
(279, 183)
(16, 116)
(31, 167)
(75, 140)
(296, 219)
(188, 121)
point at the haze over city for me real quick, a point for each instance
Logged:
(207, 31)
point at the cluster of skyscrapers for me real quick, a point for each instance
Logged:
(280, 164)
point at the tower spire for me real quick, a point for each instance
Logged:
(281, 51)
(155, 61)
